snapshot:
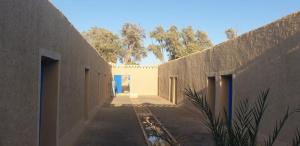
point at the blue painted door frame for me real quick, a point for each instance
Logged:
(42, 93)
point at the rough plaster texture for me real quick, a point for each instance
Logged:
(267, 57)
(143, 79)
(28, 27)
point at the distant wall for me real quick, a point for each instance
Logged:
(30, 29)
(143, 79)
(267, 57)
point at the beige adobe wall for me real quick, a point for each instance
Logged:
(143, 78)
(267, 57)
(29, 29)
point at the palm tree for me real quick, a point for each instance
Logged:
(244, 128)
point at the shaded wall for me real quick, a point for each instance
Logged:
(30, 29)
(267, 57)
(143, 79)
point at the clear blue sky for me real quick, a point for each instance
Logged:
(212, 16)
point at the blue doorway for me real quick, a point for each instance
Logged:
(227, 96)
(118, 83)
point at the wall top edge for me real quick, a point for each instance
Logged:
(134, 66)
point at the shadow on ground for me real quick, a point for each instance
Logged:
(116, 124)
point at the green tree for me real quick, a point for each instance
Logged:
(105, 42)
(159, 35)
(174, 46)
(178, 43)
(194, 41)
(166, 40)
(132, 41)
(230, 33)
(203, 40)
(189, 40)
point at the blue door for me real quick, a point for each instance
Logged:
(118, 83)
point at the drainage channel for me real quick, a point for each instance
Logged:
(154, 132)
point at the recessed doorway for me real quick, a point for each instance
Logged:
(173, 90)
(227, 95)
(211, 92)
(86, 93)
(49, 82)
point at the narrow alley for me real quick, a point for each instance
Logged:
(117, 124)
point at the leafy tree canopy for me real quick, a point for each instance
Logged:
(129, 48)
(178, 43)
(106, 43)
(132, 41)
